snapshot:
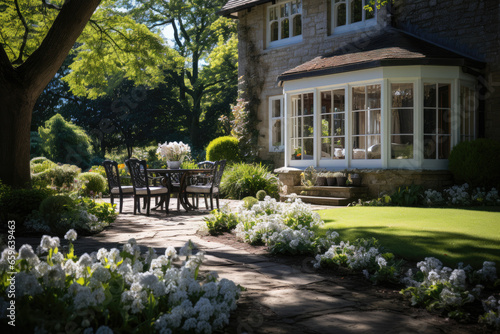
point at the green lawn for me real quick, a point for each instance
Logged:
(451, 235)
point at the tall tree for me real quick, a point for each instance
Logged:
(202, 38)
(34, 44)
(24, 75)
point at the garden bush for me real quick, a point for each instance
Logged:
(92, 183)
(221, 221)
(241, 180)
(476, 163)
(261, 194)
(407, 196)
(53, 207)
(17, 204)
(249, 201)
(224, 148)
(40, 164)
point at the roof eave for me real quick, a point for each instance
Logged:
(233, 12)
(380, 63)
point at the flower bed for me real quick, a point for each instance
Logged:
(112, 290)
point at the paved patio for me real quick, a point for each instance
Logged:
(281, 296)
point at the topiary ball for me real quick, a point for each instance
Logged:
(93, 183)
(226, 147)
(476, 162)
(261, 194)
(249, 201)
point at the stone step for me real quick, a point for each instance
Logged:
(322, 200)
(352, 193)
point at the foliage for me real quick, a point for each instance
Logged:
(65, 142)
(17, 204)
(250, 201)
(114, 290)
(225, 147)
(93, 184)
(61, 178)
(241, 180)
(407, 196)
(459, 196)
(40, 164)
(308, 177)
(261, 194)
(221, 221)
(54, 207)
(476, 162)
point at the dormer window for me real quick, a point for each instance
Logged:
(284, 22)
(351, 14)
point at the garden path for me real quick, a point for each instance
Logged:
(283, 295)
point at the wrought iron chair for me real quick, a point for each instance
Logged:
(140, 181)
(114, 184)
(212, 187)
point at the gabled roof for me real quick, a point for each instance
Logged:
(232, 7)
(387, 47)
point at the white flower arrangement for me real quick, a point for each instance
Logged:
(120, 289)
(173, 151)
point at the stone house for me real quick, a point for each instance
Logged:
(387, 92)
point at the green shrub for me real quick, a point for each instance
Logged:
(249, 201)
(63, 176)
(261, 194)
(17, 204)
(476, 163)
(408, 196)
(52, 209)
(92, 183)
(224, 148)
(221, 221)
(41, 164)
(242, 180)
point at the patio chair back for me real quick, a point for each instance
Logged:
(112, 174)
(206, 164)
(138, 172)
(218, 171)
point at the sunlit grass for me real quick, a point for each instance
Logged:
(451, 235)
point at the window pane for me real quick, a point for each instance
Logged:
(339, 100)
(356, 10)
(444, 121)
(358, 98)
(373, 96)
(326, 126)
(308, 103)
(308, 126)
(297, 149)
(402, 95)
(339, 124)
(339, 147)
(308, 149)
(272, 14)
(401, 147)
(297, 25)
(274, 31)
(358, 148)
(285, 33)
(341, 16)
(444, 95)
(358, 123)
(326, 148)
(276, 133)
(299, 6)
(402, 121)
(326, 102)
(374, 120)
(429, 121)
(444, 147)
(429, 95)
(429, 147)
(276, 112)
(294, 8)
(374, 147)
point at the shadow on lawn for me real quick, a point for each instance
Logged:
(450, 248)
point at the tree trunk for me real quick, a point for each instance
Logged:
(15, 121)
(20, 87)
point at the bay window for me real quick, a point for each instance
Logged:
(302, 126)
(402, 109)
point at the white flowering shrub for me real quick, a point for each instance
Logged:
(492, 308)
(120, 290)
(441, 288)
(285, 227)
(461, 196)
(362, 255)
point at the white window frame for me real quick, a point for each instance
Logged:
(290, 39)
(329, 161)
(272, 119)
(350, 26)
(290, 131)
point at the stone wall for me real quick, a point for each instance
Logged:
(257, 60)
(378, 182)
(471, 28)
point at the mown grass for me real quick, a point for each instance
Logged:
(451, 235)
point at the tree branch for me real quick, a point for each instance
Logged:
(19, 59)
(50, 5)
(159, 24)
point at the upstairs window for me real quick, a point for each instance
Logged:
(284, 22)
(351, 14)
